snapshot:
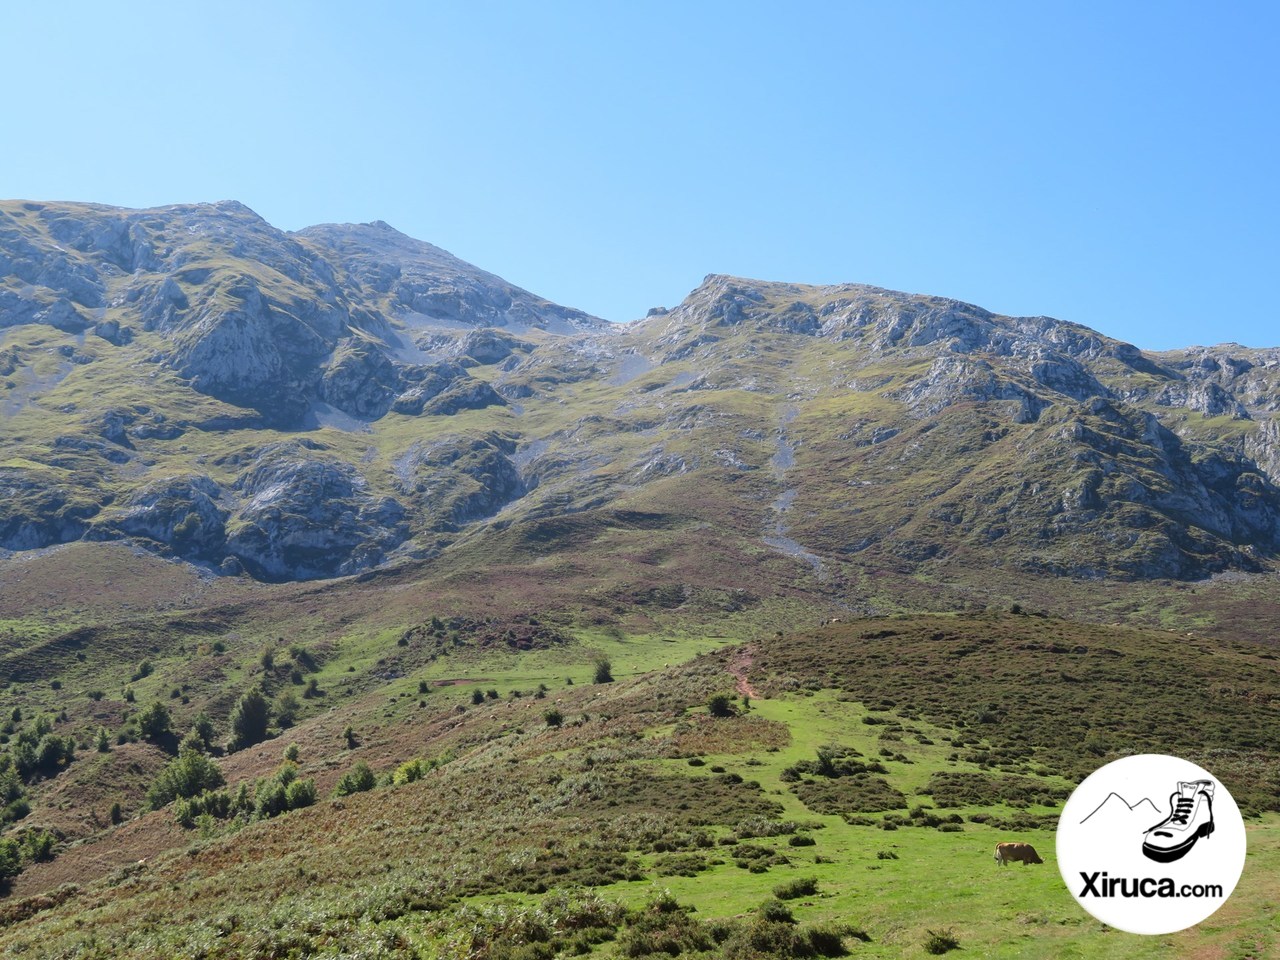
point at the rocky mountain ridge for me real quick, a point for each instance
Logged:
(316, 404)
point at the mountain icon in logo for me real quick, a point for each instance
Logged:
(1119, 813)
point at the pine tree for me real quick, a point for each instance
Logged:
(249, 720)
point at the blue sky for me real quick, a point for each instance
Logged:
(1112, 164)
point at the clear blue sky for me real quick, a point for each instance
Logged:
(1114, 164)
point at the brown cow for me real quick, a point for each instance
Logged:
(1012, 852)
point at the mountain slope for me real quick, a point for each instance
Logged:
(311, 405)
(547, 790)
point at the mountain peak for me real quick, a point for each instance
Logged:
(234, 206)
(1054, 437)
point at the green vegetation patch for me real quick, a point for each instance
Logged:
(697, 800)
(1033, 693)
(952, 788)
(862, 793)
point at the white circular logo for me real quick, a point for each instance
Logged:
(1151, 844)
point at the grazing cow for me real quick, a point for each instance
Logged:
(1013, 852)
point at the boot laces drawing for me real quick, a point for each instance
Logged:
(1190, 818)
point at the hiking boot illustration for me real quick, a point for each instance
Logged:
(1190, 818)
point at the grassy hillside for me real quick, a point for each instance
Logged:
(876, 766)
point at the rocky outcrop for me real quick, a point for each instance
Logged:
(490, 346)
(41, 266)
(1206, 398)
(955, 379)
(243, 349)
(426, 383)
(1145, 478)
(360, 379)
(307, 517)
(408, 279)
(38, 510)
(467, 395)
(459, 479)
(181, 514)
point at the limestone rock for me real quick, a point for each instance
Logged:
(459, 479)
(242, 350)
(360, 379)
(307, 517)
(35, 512)
(425, 383)
(181, 513)
(62, 315)
(467, 395)
(489, 346)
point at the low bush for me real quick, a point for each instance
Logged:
(356, 780)
(800, 887)
(10, 860)
(680, 865)
(938, 942)
(753, 827)
(38, 845)
(721, 705)
(191, 774)
(412, 770)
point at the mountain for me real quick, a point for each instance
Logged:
(297, 406)
(1116, 814)
(354, 601)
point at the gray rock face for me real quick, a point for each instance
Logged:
(405, 277)
(467, 395)
(1065, 375)
(1263, 448)
(36, 513)
(1148, 479)
(490, 346)
(956, 378)
(426, 383)
(1207, 398)
(121, 243)
(162, 304)
(307, 517)
(63, 316)
(180, 513)
(112, 332)
(460, 479)
(17, 310)
(35, 259)
(246, 351)
(360, 379)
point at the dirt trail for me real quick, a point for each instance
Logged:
(739, 667)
